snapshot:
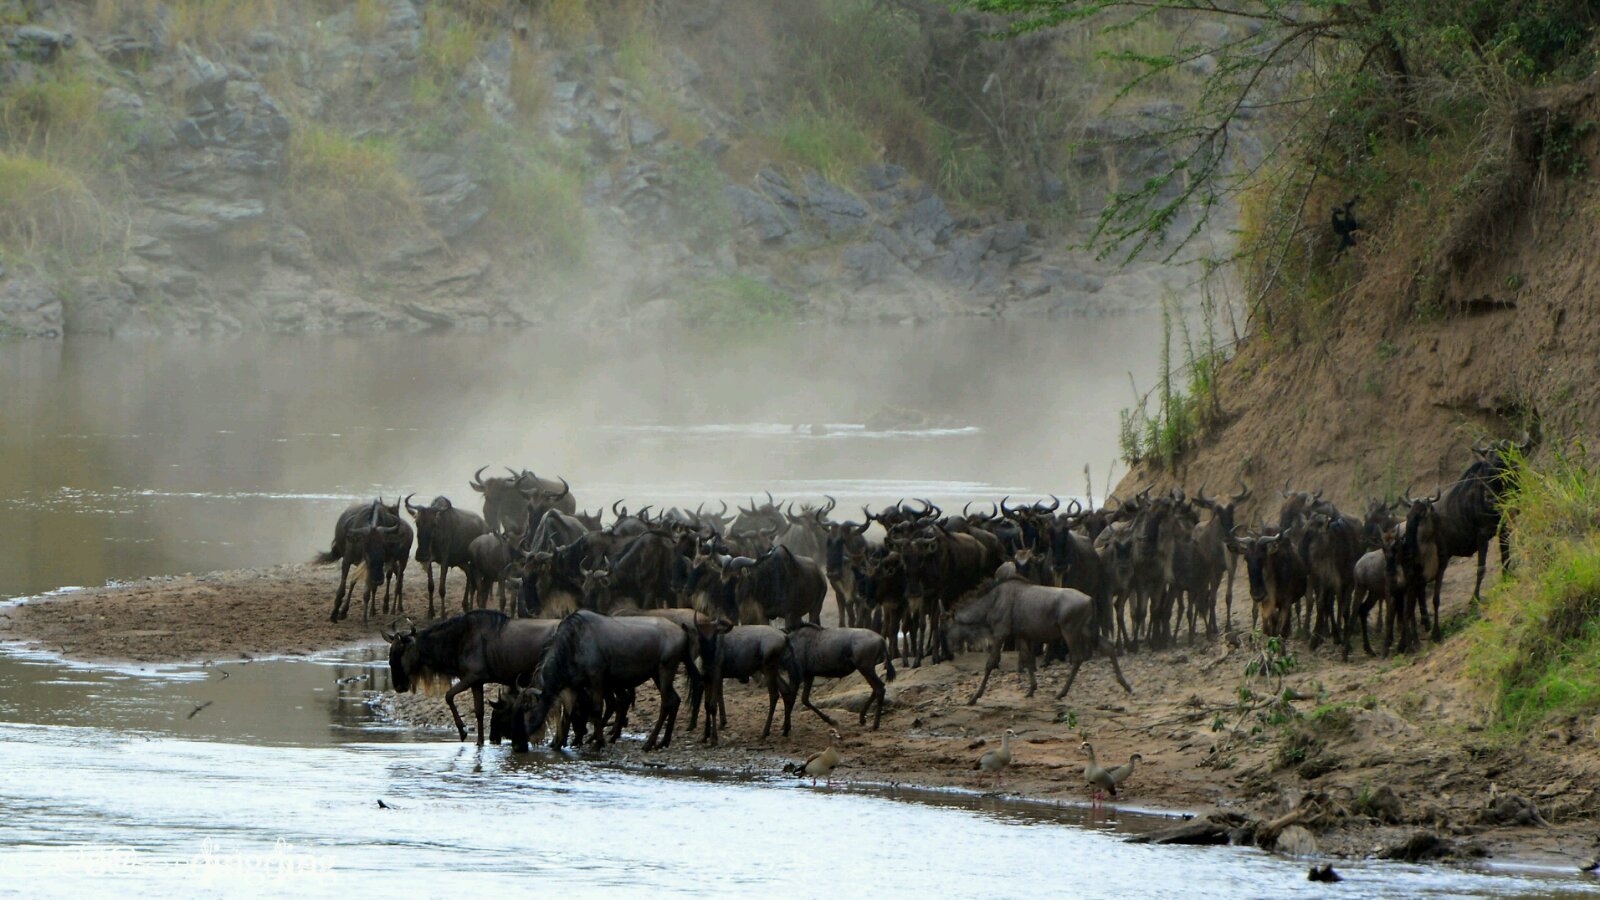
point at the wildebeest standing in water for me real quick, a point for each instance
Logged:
(373, 535)
(1013, 608)
(444, 536)
(477, 648)
(592, 656)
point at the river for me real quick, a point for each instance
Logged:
(120, 460)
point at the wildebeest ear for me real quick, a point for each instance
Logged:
(388, 638)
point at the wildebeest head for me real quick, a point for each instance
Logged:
(404, 659)
(427, 517)
(596, 588)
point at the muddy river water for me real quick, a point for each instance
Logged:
(120, 460)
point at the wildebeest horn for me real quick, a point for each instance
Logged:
(867, 512)
(966, 509)
(724, 509)
(864, 526)
(409, 508)
(770, 501)
(614, 513)
(1285, 491)
(1075, 507)
(831, 504)
(477, 480)
(1244, 492)
(565, 488)
(1055, 503)
(1008, 513)
(643, 514)
(1317, 495)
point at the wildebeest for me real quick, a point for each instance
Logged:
(1277, 579)
(786, 586)
(592, 655)
(816, 652)
(940, 568)
(476, 648)
(1470, 513)
(641, 576)
(1330, 546)
(1016, 609)
(373, 535)
(492, 555)
(503, 501)
(745, 652)
(1422, 555)
(444, 535)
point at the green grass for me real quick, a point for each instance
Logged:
(49, 209)
(349, 195)
(830, 142)
(536, 197)
(735, 301)
(1537, 645)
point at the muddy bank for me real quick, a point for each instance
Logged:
(1378, 750)
(193, 618)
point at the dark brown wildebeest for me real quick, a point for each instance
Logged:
(1470, 514)
(592, 656)
(502, 501)
(444, 535)
(1015, 609)
(1421, 555)
(1330, 546)
(785, 586)
(742, 653)
(1212, 539)
(541, 501)
(641, 577)
(884, 590)
(546, 590)
(940, 569)
(817, 652)
(476, 648)
(492, 555)
(372, 535)
(1277, 579)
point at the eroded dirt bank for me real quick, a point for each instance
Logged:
(1381, 749)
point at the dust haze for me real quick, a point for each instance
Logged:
(128, 459)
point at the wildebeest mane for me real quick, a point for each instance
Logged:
(558, 670)
(441, 646)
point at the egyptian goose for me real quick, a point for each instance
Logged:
(994, 762)
(1097, 777)
(821, 765)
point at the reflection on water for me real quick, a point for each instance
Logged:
(123, 459)
(112, 786)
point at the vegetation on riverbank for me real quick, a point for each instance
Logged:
(1537, 646)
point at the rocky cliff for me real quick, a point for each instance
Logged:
(292, 166)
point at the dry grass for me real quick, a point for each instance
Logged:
(348, 195)
(49, 209)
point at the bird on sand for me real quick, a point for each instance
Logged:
(1105, 780)
(820, 764)
(994, 762)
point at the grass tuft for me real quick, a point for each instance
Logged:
(349, 195)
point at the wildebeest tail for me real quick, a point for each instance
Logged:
(888, 661)
(333, 555)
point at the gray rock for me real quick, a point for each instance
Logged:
(868, 263)
(769, 221)
(775, 186)
(927, 220)
(39, 43)
(125, 49)
(30, 307)
(199, 77)
(841, 212)
(958, 264)
(1009, 236)
(642, 132)
(567, 91)
(883, 176)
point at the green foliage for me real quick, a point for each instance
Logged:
(1184, 410)
(49, 209)
(1537, 646)
(735, 301)
(830, 142)
(696, 186)
(1338, 81)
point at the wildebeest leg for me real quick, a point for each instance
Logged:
(344, 572)
(878, 692)
(805, 700)
(1438, 582)
(770, 676)
(989, 665)
(427, 568)
(450, 701)
(1026, 657)
(477, 709)
(1116, 668)
(1477, 587)
(668, 715)
(1077, 663)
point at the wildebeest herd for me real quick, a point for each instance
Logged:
(586, 611)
